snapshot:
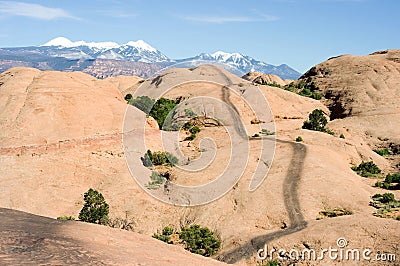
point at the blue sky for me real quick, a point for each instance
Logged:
(300, 33)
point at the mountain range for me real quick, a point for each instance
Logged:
(104, 59)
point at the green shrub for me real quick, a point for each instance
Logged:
(157, 179)
(385, 198)
(389, 180)
(303, 89)
(200, 240)
(316, 121)
(128, 97)
(341, 136)
(190, 114)
(143, 103)
(165, 236)
(256, 135)
(299, 139)
(190, 137)
(187, 125)
(386, 205)
(273, 84)
(367, 169)
(383, 152)
(335, 212)
(267, 132)
(330, 132)
(95, 210)
(194, 130)
(271, 263)
(159, 158)
(161, 112)
(66, 218)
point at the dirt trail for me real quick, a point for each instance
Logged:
(292, 204)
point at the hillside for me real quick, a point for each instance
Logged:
(362, 93)
(31, 239)
(62, 133)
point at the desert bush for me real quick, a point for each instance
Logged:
(367, 169)
(157, 179)
(271, 263)
(128, 97)
(190, 114)
(66, 218)
(335, 212)
(303, 89)
(316, 121)
(383, 152)
(341, 136)
(121, 223)
(299, 139)
(143, 103)
(256, 135)
(193, 130)
(161, 112)
(190, 137)
(267, 132)
(389, 180)
(95, 209)
(200, 240)
(165, 236)
(159, 158)
(385, 198)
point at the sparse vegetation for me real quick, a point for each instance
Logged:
(66, 218)
(316, 121)
(200, 240)
(193, 130)
(367, 169)
(342, 136)
(273, 84)
(95, 210)
(335, 212)
(165, 236)
(159, 158)
(387, 206)
(266, 132)
(299, 139)
(196, 239)
(256, 135)
(302, 89)
(157, 180)
(120, 223)
(144, 103)
(383, 152)
(392, 181)
(161, 112)
(271, 263)
(128, 97)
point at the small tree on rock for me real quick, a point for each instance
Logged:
(95, 210)
(316, 121)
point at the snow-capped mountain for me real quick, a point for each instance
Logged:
(242, 63)
(137, 51)
(132, 58)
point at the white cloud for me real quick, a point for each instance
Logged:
(33, 11)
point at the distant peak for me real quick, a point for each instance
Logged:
(59, 41)
(225, 55)
(141, 45)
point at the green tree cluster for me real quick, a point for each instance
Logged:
(95, 209)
